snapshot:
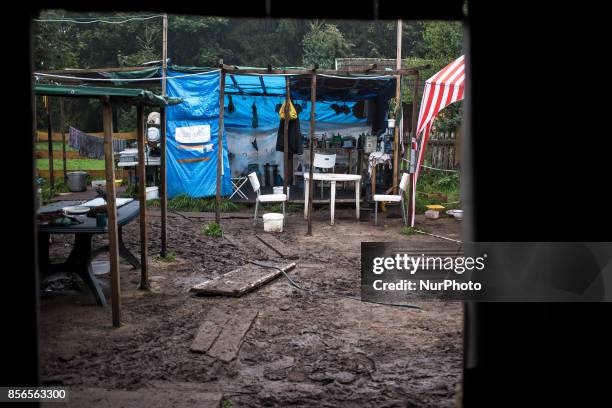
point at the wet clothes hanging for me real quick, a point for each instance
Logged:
(296, 145)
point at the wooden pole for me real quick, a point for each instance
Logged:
(286, 137)
(313, 101)
(415, 100)
(63, 130)
(220, 146)
(164, 52)
(398, 107)
(113, 243)
(162, 168)
(142, 197)
(163, 183)
(50, 142)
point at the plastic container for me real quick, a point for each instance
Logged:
(152, 192)
(77, 181)
(279, 190)
(273, 222)
(432, 214)
(391, 123)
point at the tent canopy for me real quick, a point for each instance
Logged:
(120, 95)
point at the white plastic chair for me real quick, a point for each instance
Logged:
(324, 161)
(392, 198)
(266, 198)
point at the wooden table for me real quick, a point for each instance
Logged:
(333, 178)
(79, 260)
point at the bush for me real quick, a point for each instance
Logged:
(213, 230)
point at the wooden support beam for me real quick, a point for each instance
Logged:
(398, 109)
(47, 100)
(263, 85)
(313, 101)
(163, 168)
(286, 136)
(236, 84)
(220, 146)
(233, 69)
(69, 71)
(415, 100)
(163, 184)
(113, 243)
(142, 198)
(63, 131)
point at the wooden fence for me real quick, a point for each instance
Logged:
(443, 150)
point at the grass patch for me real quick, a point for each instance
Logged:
(411, 230)
(212, 230)
(226, 404)
(71, 164)
(437, 183)
(57, 146)
(278, 207)
(170, 257)
(186, 203)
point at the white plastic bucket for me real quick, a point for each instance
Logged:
(391, 123)
(273, 222)
(152, 192)
(279, 190)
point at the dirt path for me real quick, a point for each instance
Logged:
(303, 349)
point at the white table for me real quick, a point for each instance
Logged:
(332, 178)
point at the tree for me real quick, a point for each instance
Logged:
(323, 43)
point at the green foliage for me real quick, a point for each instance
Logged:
(433, 183)
(170, 257)
(411, 230)
(212, 230)
(187, 203)
(323, 43)
(48, 193)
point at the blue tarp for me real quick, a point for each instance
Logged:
(191, 169)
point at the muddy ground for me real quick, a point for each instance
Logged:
(302, 350)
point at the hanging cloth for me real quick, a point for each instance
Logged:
(292, 112)
(254, 120)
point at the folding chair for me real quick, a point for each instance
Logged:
(266, 198)
(392, 198)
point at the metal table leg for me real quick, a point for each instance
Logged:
(332, 199)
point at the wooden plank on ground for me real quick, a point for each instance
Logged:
(228, 343)
(276, 245)
(209, 330)
(240, 281)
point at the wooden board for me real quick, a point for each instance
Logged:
(279, 247)
(227, 345)
(240, 281)
(209, 330)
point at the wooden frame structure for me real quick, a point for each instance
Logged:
(233, 69)
(113, 236)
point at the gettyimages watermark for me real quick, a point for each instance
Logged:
(403, 272)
